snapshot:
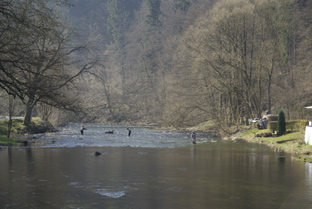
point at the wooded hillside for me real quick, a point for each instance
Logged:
(182, 62)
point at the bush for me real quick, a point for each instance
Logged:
(37, 126)
(293, 125)
(301, 124)
(272, 126)
(281, 123)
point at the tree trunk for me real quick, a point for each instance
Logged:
(28, 114)
(269, 94)
(269, 85)
(11, 113)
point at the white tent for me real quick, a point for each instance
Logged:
(308, 131)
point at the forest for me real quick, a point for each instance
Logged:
(175, 63)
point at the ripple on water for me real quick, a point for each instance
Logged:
(112, 194)
(142, 153)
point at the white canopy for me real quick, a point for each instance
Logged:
(310, 107)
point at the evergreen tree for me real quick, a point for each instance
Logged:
(281, 123)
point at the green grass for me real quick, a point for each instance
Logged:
(291, 142)
(37, 126)
(207, 123)
(5, 141)
(294, 136)
(250, 132)
(3, 128)
(17, 125)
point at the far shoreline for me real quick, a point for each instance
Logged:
(292, 143)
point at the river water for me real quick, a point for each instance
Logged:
(151, 169)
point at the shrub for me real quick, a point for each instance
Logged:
(272, 125)
(281, 123)
(301, 124)
(293, 125)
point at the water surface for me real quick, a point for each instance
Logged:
(141, 136)
(212, 174)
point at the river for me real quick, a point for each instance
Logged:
(151, 169)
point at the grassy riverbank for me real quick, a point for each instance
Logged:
(18, 130)
(5, 141)
(292, 142)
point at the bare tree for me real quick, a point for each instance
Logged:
(234, 51)
(11, 114)
(41, 59)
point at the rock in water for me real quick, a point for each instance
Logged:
(97, 153)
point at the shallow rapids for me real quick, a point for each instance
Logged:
(141, 136)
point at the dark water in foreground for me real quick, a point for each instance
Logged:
(212, 174)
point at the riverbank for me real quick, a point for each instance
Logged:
(292, 142)
(19, 132)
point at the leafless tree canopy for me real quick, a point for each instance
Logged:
(39, 58)
(175, 62)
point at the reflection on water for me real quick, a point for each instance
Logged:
(300, 196)
(210, 175)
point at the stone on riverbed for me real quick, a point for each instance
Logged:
(97, 153)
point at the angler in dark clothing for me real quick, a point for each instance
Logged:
(193, 136)
(82, 129)
(129, 132)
